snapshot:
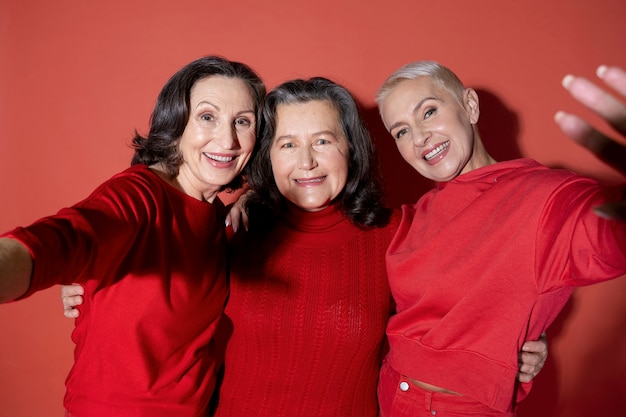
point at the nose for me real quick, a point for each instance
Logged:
(306, 158)
(421, 136)
(227, 137)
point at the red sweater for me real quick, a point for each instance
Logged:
(152, 261)
(308, 308)
(487, 261)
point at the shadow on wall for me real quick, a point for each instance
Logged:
(499, 129)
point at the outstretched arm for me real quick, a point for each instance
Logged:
(16, 266)
(611, 150)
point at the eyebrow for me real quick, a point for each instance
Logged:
(215, 106)
(321, 132)
(417, 106)
(200, 103)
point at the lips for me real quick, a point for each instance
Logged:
(219, 158)
(436, 151)
(307, 181)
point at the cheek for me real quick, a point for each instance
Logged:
(340, 177)
(406, 151)
(247, 141)
(280, 171)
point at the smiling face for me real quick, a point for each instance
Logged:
(219, 136)
(434, 132)
(309, 154)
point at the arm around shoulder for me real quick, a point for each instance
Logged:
(16, 266)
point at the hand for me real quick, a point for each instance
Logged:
(237, 215)
(16, 267)
(611, 150)
(72, 296)
(532, 358)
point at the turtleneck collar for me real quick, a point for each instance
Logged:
(315, 221)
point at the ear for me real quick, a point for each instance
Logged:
(470, 102)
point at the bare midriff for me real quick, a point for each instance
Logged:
(433, 388)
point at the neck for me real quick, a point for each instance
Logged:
(480, 156)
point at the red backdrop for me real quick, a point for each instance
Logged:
(77, 77)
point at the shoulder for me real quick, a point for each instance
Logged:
(134, 192)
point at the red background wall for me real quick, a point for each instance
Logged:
(77, 77)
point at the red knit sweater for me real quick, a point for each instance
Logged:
(486, 262)
(153, 263)
(308, 308)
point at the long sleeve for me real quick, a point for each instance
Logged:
(153, 264)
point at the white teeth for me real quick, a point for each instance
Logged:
(319, 179)
(219, 158)
(430, 155)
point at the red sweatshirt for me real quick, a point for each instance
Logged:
(308, 308)
(153, 264)
(487, 261)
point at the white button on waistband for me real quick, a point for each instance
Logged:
(404, 386)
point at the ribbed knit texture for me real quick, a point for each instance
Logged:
(309, 305)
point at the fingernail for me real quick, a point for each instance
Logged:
(559, 115)
(601, 71)
(234, 228)
(607, 212)
(567, 80)
(227, 222)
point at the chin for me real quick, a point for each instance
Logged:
(311, 205)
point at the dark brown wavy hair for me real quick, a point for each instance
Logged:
(171, 112)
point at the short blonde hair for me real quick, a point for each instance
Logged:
(440, 74)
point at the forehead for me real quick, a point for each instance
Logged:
(409, 93)
(310, 113)
(224, 89)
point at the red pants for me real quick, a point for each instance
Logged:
(398, 397)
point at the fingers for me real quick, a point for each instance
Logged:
(71, 296)
(599, 100)
(530, 365)
(69, 304)
(233, 218)
(71, 290)
(245, 221)
(237, 216)
(608, 149)
(532, 358)
(537, 346)
(605, 148)
(614, 77)
(612, 211)
(229, 221)
(70, 312)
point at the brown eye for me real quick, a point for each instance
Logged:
(242, 122)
